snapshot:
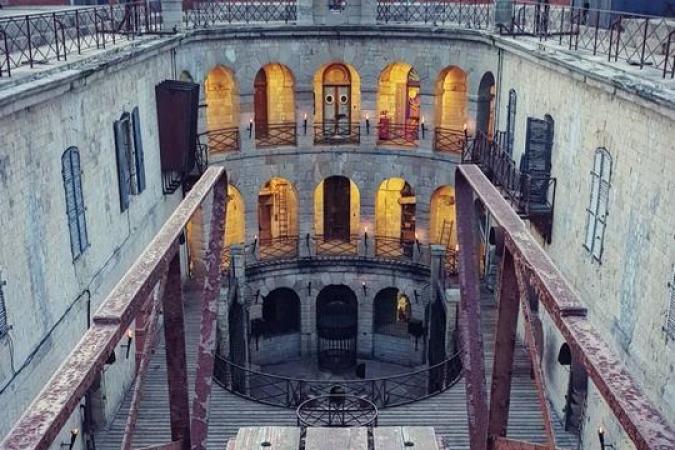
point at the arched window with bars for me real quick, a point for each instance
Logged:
(75, 210)
(596, 218)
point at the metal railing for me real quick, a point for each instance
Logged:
(337, 410)
(449, 140)
(394, 248)
(210, 12)
(384, 392)
(638, 39)
(337, 133)
(277, 248)
(221, 140)
(467, 14)
(336, 247)
(34, 39)
(277, 134)
(451, 262)
(398, 134)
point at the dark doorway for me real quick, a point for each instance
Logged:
(336, 208)
(337, 321)
(260, 103)
(486, 99)
(237, 333)
(437, 354)
(281, 312)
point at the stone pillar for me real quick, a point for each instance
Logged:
(172, 15)
(436, 266)
(368, 12)
(305, 12)
(304, 105)
(503, 12)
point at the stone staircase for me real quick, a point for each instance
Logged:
(446, 412)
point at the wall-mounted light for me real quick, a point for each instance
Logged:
(255, 243)
(73, 437)
(365, 236)
(424, 128)
(601, 438)
(417, 296)
(257, 294)
(367, 124)
(130, 338)
(309, 288)
(365, 289)
(304, 123)
(250, 127)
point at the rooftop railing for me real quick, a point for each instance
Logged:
(36, 39)
(466, 14)
(639, 40)
(210, 12)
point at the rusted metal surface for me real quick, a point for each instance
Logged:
(48, 413)
(176, 360)
(510, 444)
(535, 359)
(175, 445)
(643, 423)
(470, 327)
(209, 309)
(505, 342)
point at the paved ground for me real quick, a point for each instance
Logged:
(446, 412)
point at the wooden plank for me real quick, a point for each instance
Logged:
(278, 438)
(319, 438)
(396, 438)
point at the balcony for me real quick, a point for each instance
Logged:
(532, 196)
(220, 141)
(405, 135)
(337, 134)
(336, 247)
(285, 247)
(277, 134)
(449, 141)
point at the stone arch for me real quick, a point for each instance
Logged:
(443, 221)
(337, 203)
(451, 95)
(222, 99)
(277, 210)
(398, 103)
(281, 311)
(392, 311)
(395, 203)
(273, 97)
(485, 116)
(185, 75)
(328, 78)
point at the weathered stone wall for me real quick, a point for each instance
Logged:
(627, 293)
(49, 296)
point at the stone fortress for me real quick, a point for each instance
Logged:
(284, 216)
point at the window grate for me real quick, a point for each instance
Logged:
(130, 157)
(3, 311)
(670, 321)
(597, 211)
(75, 209)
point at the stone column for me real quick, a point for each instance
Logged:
(503, 12)
(304, 105)
(305, 12)
(172, 15)
(368, 12)
(436, 266)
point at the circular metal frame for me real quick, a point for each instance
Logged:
(337, 410)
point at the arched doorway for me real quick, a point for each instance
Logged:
(281, 312)
(392, 312)
(337, 327)
(395, 218)
(235, 225)
(398, 105)
(443, 225)
(337, 98)
(237, 351)
(451, 102)
(336, 210)
(277, 219)
(486, 105)
(274, 106)
(577, 389)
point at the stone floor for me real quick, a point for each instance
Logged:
(445, 412)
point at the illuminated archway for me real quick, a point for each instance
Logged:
(485, 116)
(451, 99)
(337, 99)
(274, 98)
(277, 211)
(392, 312)
(443, 223)
(395, 218)
(222, 99)
(398, 104)
(336, 208)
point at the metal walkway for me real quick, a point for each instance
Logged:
(446, 412)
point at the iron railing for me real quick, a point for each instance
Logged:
(638, 39)
(285, 247)
(336, 247)
(221, 141)
(466, 14)
(449, 140)
(37, 39)
(397, 134)
(394, 248)
(337, 133)
(384, 392)
(337, 410)
(210, 12)
(276, 134)
(451, 262)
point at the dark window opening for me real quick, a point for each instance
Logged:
(75, 209)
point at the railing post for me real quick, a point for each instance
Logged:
(644, 43)
(77, 31)
(56, 38)
(30, 44)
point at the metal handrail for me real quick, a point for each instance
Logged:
(221, 140)
(336, 247)
(449, 140)
(384, 392)
(276, 134)
(398, 133)
(210, 12)
(475, 14)
(337, 133)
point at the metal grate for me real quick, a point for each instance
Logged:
(209, 12)
(449, 140)
(3, 310)
(276, 134)
(475, 14)
(221, 140)
(670, 323)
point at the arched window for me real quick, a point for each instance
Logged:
(281, 312)
(274, 106)
(486, 105)
(222, 110)
(75, 211)
(596, 218)
(511, 120)
(395, 206)
(399, 105)
(392, 312)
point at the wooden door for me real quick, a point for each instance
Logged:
(260, 103)
(336, 203)
(265, 217)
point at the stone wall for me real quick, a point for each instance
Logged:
(49, 296)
